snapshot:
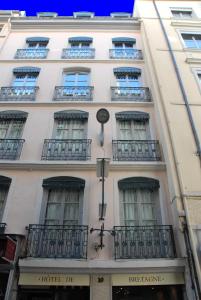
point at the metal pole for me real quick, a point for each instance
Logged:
(103, 187)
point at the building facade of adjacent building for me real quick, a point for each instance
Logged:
(91, 210)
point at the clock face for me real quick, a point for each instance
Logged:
(102, 115)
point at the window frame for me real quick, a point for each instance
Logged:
(183, 40)
(85, 122)
(182, 9)
(9, 130)
(26, 77)
(4, 201)
(147, 129)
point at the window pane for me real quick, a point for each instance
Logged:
(3, 194)
(4, 125)
(15, 131)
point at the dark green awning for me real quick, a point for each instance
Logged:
(26, 70)
(13, 115)
(124, 40)
(127, 70)
(80, 39)
(64, 182)
(5, 182)
(132, 115)
(71, 115)
(37, 39)
(138, 183)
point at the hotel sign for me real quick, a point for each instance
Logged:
(49, 279)
(147, 279)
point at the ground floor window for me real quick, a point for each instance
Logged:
(147, 293)
(3, 284)
(55, 293)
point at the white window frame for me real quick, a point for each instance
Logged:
(76, 73)
(133, 129)
(11, 122)
(182, 9)
(183, 41)
(23, 81)
(70, 128)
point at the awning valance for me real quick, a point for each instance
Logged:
(13, 115)
(26, 70)
(5, 182)
(124, 40)
(80, 39)
(127, 70)
(132, 115)
(71, 115)
(138, 183)
(37, 39)
(64, 182)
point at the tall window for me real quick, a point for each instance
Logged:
(4, 187)
(132, 130)
(192, 40)
(25, 80)
(139, 202)
(11, 129)
(64, 201)
(70, 129)
(77, 79)
(127, 81)
(80, 44)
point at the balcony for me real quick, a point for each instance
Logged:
(136, 150)
(57, 241)
(135, 94)
(73, 93)
(122, 53)
(68, 149)
(2, 228)
(20, 93)
(11, 148)
(82, 53)
(140, 242)
(31, 53)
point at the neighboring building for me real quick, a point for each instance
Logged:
(58, 72)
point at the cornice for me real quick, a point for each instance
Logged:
(186, 23)
(75, 104)
(87, 61)
(84, 166)
(70, 23)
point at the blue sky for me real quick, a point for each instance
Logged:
(67, 7)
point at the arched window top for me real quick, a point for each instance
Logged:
(132, 115)
(13, 115)
(75, 70)
(37, 39)
(138, 183)
(80, 39)
(26, 70)
(124, 40)
(71, 114)
(5, 182)
(64, 182)
(127, 70)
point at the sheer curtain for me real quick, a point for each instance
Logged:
(3, 194)
(138, 207)
(63, 207)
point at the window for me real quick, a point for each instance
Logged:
(182, 13)
(132, 130)
(127, 81)
(192, 40)
(120, 15)
(80, 44)
(11, 128)
(4, 187)
(80, 47)
(139, 201)
(24, 80)
(70, 129)
(83, 15)
(199, 78)
(76, 84)
(47, 15)
(64, 201)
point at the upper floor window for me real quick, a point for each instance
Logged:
(11, 128)
(80, 47)
(37, 42)
(76, 79)
(127, 77)
(4, 187)
(47, 15)
(36, 48)
(182, 13)
(139, 201)
(123, 42)
(192, 40)
(120, 15)
(83, 15)
(64, 200)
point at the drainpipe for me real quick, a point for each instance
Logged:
(191, 247)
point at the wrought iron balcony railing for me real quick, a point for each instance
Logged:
(20, 93)
(74, 53)
(11, 148)
(73, 93)
(138, 242)
(31, 53)
(70, 149)
(122, 53)
(135, 94)
(57, 241)
(136, 150)
(2, 227)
